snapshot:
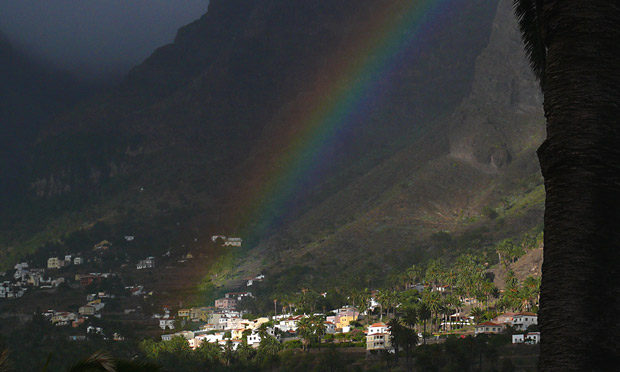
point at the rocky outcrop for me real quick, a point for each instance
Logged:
(504, 109)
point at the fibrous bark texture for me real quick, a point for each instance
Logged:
(580, 160)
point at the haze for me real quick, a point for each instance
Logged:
(96, 39)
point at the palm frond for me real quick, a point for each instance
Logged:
(98, 362)
(528, 16)
(47, 362)
(4, 361)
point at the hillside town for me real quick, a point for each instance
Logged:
(424, 305)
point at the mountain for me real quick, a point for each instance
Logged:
(191, 142)
(31, 92)
(470, 181)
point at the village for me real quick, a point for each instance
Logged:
(430, 303)
(225, 325)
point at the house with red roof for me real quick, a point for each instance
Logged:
(378, 337)
(489, 328)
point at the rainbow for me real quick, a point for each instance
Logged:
(344, 91)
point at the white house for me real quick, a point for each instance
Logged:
(78, 261)
(147, 263)
(95, 330)
(289, 324)
(532, 338)
(233, 242)
(254, 338)
(378, 328)
(330, 328)
(166, 324)
(21, 266)
(518, 339)
(167, 337)
(521, 321)
(378, 337)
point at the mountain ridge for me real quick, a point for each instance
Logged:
(174, 150)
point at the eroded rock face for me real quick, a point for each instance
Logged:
(484, 130)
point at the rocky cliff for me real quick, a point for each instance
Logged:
(502, 113)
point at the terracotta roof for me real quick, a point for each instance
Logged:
(526, 314)
(489, 324)
(378, 325)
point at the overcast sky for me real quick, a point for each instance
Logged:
(96, 38)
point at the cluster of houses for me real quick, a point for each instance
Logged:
(25, 278)
(93, 307)
(57, 263)
(228, 325)
(518, 321)
(224, 323)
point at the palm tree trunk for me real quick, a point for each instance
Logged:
(580, 161)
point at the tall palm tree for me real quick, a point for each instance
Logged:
(397, 335)
(424, 314)
(574, 49)
(304, 330)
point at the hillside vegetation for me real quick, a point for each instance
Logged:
(444, 163)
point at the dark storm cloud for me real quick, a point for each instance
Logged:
(96, 38)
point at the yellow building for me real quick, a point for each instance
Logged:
(345, 320)
(199, 313)
(183, 313)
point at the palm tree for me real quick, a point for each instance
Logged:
(262, 330)
(228, 352)
(412, 275)
(477, 313)
(433, 302)
(269, 346)
(403, 334)
(318, 328)
(103, 362)
(381, 298)
(397, 335)
(245, 351)
(304, 330)
(424, 314)
(573, 46)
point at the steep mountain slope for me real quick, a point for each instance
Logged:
(174, 144)
(469, 181)
(31, 92)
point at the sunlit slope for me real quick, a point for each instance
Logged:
(473, 176)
